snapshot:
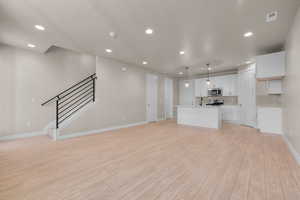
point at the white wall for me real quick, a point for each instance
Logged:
(7, 88)
(186, 94)
(291, 86)
(28, 78)
(120, 98)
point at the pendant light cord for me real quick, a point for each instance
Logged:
(187, 72)
(208, 72)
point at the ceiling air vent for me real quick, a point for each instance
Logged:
(272, 16)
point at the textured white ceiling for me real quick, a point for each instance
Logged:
(207, 30)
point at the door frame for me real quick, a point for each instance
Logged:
(169, 98)
(249, 69)
(151, 97)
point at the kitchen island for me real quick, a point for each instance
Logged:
(202, 116)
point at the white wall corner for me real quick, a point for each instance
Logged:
(51, 130)
(294, 152)
(98, 131)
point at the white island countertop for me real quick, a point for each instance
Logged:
(202, 116)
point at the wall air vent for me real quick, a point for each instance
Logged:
(272, 16)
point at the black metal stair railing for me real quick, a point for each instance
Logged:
(73, 99)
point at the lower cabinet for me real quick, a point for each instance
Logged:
(269, 120)
(231, 113)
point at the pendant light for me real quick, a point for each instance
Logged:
(187, 83)
(208, 69)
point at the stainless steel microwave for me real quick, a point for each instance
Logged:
(213, 92)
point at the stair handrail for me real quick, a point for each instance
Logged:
(93, 76)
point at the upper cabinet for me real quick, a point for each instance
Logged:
(228, 83)
(270, 66)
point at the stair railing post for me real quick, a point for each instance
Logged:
(94, 91)
(57, 113)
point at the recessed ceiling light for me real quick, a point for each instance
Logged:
(187, 84)
(248, 62)
(113, 34)
(149, 31)
(145, 62)
(209, 68)
(31, 45)
(181, 52)
(124, 69)
(248, 34)
(39, 27)
(180, 73)
(108, 50)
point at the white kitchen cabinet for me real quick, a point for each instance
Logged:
(270, 66)
(231, 113)
(230, 85)
(209, 117)
(274, 87)
(227, 83)
(234, 86)
(269, 120)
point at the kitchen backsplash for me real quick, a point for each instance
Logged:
(269, 100)
(264, 99)
(228, 100)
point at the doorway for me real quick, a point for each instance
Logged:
(151, 97)
(247, 96)
(168, 98)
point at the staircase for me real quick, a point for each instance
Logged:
(73, 99)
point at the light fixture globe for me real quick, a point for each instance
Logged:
(208, 70)
(187, 84)
(149, 31)
(248, 34)
(39, 27)
(208, 82)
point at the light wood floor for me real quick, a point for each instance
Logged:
(156, 161)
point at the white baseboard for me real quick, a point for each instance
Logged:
(269, 133)
(232, 122)
(84, 133)
(22, 135)
(292, 150)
